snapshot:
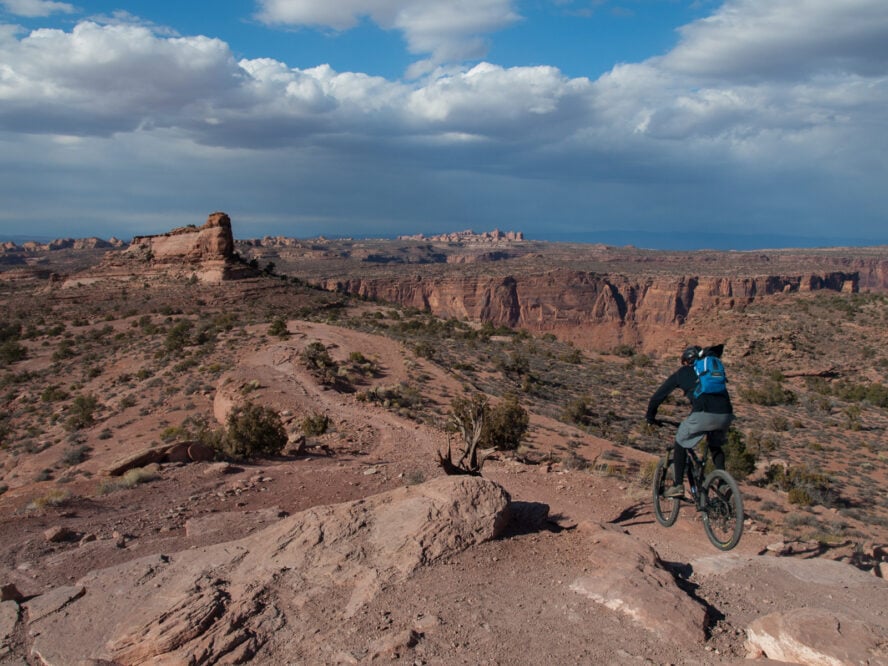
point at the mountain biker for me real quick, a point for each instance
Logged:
(711, 413)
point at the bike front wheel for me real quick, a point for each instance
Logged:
(722, 510)
(665, 509)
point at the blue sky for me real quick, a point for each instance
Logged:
(659, 123)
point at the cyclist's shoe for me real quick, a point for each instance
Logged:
(674, 492)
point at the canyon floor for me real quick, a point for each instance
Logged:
(582, 573)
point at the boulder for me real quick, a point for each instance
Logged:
(154, 454)
(222, 603)
(626, 575)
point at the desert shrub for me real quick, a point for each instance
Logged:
(315, 424)
(852, 417)
(178, 336)
(130, 479)
(11, 351)
(253, 430)
(127, 402)
(134, 477)
(64, 350)
(646, 472)
(505, 425)
(759, 442)
(577, 411)
(797, 519)
(803, 485)
(515, 365)
(54, 393)
(424, 349)
(768, 393)
(640, 361)
(74, 455)
(414, 477)
(360, 364)
(800, 496)
(81, 412)
(10, 331)
(398, 396)
(55, 497)
(278, 328)
(319, 363)
(173, 433)
(874, 393)
(573, 461)
(572, 356)
(739, 462)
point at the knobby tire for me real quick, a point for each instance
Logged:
(723, 515)
(665, 509)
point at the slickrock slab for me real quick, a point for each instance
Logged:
(233, 522)
(226, 601)
(9, 615)
(626, 575)
(851, 626)
(817, 637)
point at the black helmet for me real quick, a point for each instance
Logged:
(690, 354)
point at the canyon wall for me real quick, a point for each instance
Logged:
(612, 309)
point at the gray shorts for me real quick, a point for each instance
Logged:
(698, 424)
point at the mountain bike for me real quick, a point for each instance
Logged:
(716, 497)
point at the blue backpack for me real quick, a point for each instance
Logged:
(710, 371)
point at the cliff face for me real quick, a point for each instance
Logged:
(615, 308)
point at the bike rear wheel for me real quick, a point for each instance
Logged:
(665, 509)
(723, 510)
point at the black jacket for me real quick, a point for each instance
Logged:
(685, 378)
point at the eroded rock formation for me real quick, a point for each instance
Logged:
(206, 253)
(211, 242)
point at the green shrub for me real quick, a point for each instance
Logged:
(178, 336)
(253, 430)
(803, 485)
(11, 351)
(505, 425)
(53, 393)
(315, 424)
(81, 412)
(577, 411)
(74, 455)
(10, 331)
(768, 393)
(318, 361)
(800, 496)
(739, 462)
(278, 328)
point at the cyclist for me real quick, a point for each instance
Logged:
(711, 413)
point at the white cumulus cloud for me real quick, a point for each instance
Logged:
(778, 39)
(35, 8)
(445, 31)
